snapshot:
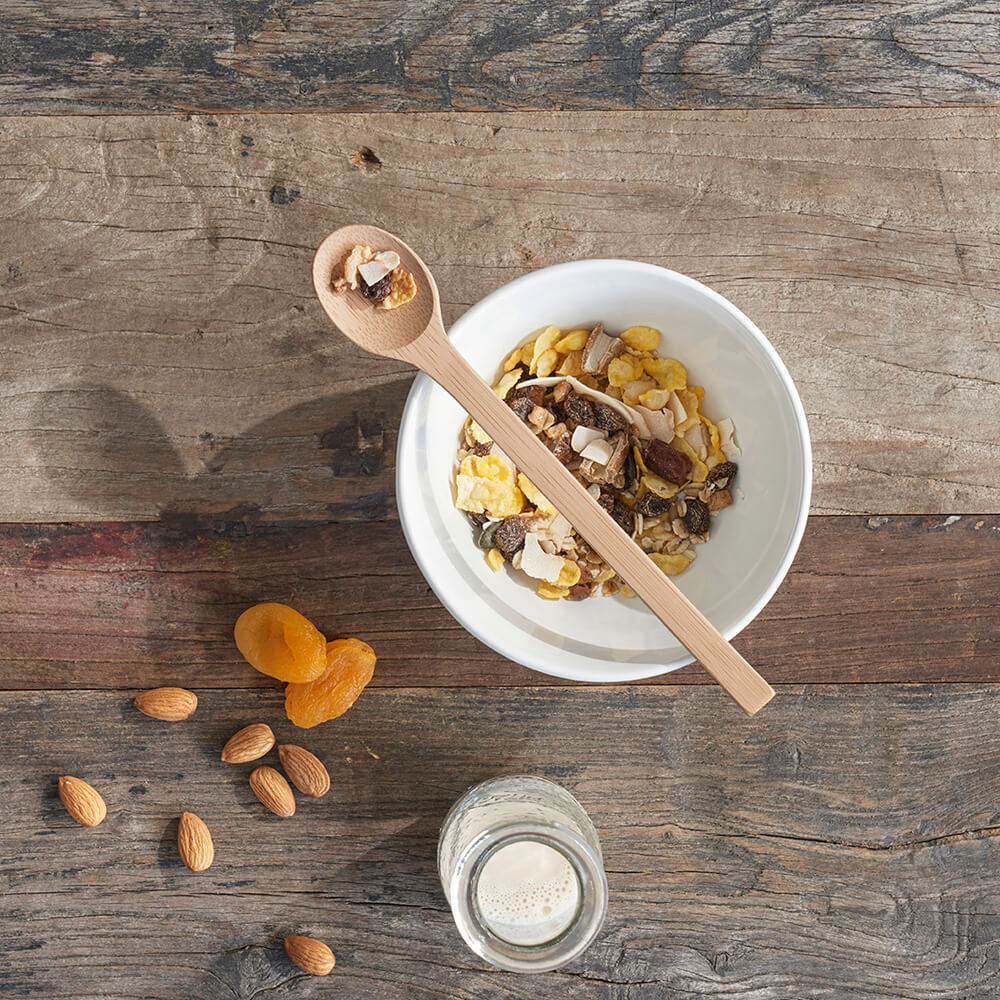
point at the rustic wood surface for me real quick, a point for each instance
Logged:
(791, 855)
(182, 434)
(385, 55)
(108, 606)
(162, 348)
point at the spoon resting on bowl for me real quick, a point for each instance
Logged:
(415, 333)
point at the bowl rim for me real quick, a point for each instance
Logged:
(423, 384)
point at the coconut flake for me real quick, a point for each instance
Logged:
(389, 259)
(727, 437)
(599, 451)
(659, 423)
(677, 409)
(584, 435)
(538, 563)
(373, 271)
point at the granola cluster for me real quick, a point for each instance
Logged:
(627, 424)
(378, 276)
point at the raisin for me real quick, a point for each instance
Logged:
(276, 640)
(650, 505)
(630, 471)
(666, 462)
(350, 664)
(522, 406)
(697, 517)
(607, 418)
(509, 536)
(577, 408)
(619, 510)
(721, 475)
(482, 449)
(378, 292)
(477, 519)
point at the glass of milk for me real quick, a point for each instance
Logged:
(521, 867)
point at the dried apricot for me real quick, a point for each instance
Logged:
(276, 640)
(350, 665)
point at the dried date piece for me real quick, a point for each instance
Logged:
(561, 391)
(719, 499)
(536, 393)
(721, 476)
(509, 536)
(577, 408)
(579, 592)
(563, 449)
(667, 462)
(697, 518)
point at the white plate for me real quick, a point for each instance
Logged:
(752, 543)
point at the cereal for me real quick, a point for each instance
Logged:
(653, 460)
(404, 288)
(641, 338)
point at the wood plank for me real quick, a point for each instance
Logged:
(385, 55)
(842, 843)
(163, 350)
(138, 605)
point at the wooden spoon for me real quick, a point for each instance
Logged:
(415, 333)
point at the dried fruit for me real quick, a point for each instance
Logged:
(351, 664)
(310, 955)
(305, 770)
(82, 801)
(619, 511)
(170, 704)
(378, 292)
(509, 536)
(273, 791)
(650, 505)
(607, 418)
(577, 408)
(194, 843)
(719, 499)
(250, 743)
(697, 518)
(721, 476)
(666, 462)
(276, 640)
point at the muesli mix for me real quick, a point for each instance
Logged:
(629, 427)
(378, 275)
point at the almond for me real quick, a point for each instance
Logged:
(305, 770)
(194, 843)
(248, 744)
(82, 802)
(273, 791)
(310, 955)
(167, 703)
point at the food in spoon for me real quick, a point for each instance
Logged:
(378, 276)
(629, 427)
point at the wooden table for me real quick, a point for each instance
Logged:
(184, 435)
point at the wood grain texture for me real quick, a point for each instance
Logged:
(881, 599)
(162, 348)
(387, 55)
(842, 842)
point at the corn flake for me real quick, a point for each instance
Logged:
(546, 362)
(507, 382)
(655, 399)
(642, 338)
(670, 563)
(573, 341)
(513, 359)
(545, 339)
(631, 391)
(404, 288)
(494, 559)
(551, 593)
(654, 484)
(485, 485)
(535, 495)
(669, 374)
(624, 370)
(572, 364)
(359, 255)
(569, 575)
(699, 470)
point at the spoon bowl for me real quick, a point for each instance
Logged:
(380, 331)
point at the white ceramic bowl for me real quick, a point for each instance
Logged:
(752, 543)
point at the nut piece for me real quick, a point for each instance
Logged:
(273, 791)
(306, 771)
(248, 744)
(194, 843)
(310, 955)
(82, 801)
(167, 703)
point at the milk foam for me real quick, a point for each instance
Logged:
(528, 893)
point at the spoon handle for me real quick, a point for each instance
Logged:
(434, 354)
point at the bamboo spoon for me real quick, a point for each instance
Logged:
(415, 333)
